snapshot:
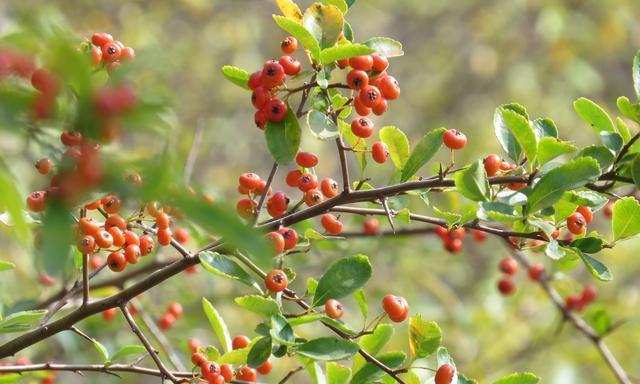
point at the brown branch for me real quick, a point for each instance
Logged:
(263, 197)
(290, 374)
(89, 368)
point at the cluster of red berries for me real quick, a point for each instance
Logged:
(173, 313)
(264, 84)
(109, 52)
(577, 302)
(493, 165)
(509, 266)
(452, 238)
(577, 221)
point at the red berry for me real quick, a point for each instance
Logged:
(95, 262)
(279, 201)
(589, 294)
(101, 38)
(509, 266)
(307, 182)
(505, 166)
(260, 119)
(197, 358)
(576, 223)
(492, 164)
(291, 65)
(276, 110)
(607, 211)
(88, 226)
(370, 96)
(333, 308)
(246, 374)
(574, 303)
(389, 87)
(313, 197)
(127, 54)
(362, 127)
(381, 108)
(111, 52)
(306, 159)
(380, 63)
(276, 280)
(586, 213)
(132, 253)
(175, 309)
(44, 81)
(290, 237)
(454, 139)
(249, 180)
(265, 368)
(181, 235)
(210, 370)
(70, 138)
(240, 341)
(396, 308)
(289, 45)
(331, 224)
(109, 314)
(452, 245)
(357, 79)
(36, 200)
(255, 80)
(104, 239)
(329, 187)
(115, 221)
(379, 152)
(146, 245)
(193, 345)
(506, 286)
(479, 235)
(272, 74)
(361, 109)
(86, 244)
(111, 204)
(226, 372)
(370, 225)
(444, 374)
(344, 63)
(363, 63)
(277, 241)
(293, 177)
(166, 321)
(116, 261)
(516, 186)
(259, 97)
(164, 236)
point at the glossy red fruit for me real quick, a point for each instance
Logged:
(146, 245)
(370, 96)
(272, 74)
(88, 226)
(506, 286)
(111, 52)
(492, 164)
(444, 374)
(86, 244)
(576, 223)
(396, 307)
(574, 303)
(70, 138)
(240, 341)
(36, 201)
(111, 204)
(109, 314)
(95, 262)
(357, 79)
(331, 224)
(307, 181)
(361, 109)
(329, 187)
(289, 45)
(276, 110)
(370, 225)
(115, 221)
(198, 358)
(246, 374)
(259, 98)
(313, 197)
(101, 38)
(193, 345)
(181, 235)
(44, 81)
(452, 245)
(132, 253)
(116, 261)
(255, 80)
(127, 54)
(276, 281)
(226, 372)
(363, 63)
(277, 241)
(164, 236)
(344, 63)
(210, 370)
(175, 309)
(290, 64)
(265, 368)
(306, 159)
(362, 127)
(586, 213)
(103, 239)
(508, 266)
(166, 321)
(589, 293)
(381, 108)
(293, 177)
(479, 235)
(249, 180)
(279, 201)
(454, 139)
(380, 63)
(379, 152)
(260, 119)
(333, 308)
(389, 87)
(290, 237)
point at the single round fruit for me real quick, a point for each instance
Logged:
(576, 223)
(175, 309)
(381, 108)
(88, 226)
(361, 109)
(44, 81)
(111, 204)
(35, 201)
(574, 303)
(454, 139)
(589, 294)
(272, 74)
(104, 239)
(492, 164)
(240, 341)
(289, 45)
(357, 79)
(132, 253)
(506, 286)
(164, 236)
(127, 54)
(536, 272)
(307, 181)
(329, 187)
(444, 374)
(115, 221)
(389, 87)
(333, 308)
(509, 266)
(246, 374)
(370, 225)
(276, 280)
(101, 38)
(370, 96)
(277, 240)
(586, 213)
(396, 307)
(210, 370)
(226, 372)
(379, 152)
(380, 63)
(265, 368)
(313, 197)
(362, 127)
(331, 224)
(116, 261)
(291, 65)
(279, 201)
(260, 119)
(290, 237)
(249, 180)
(306, 159)
(198, 358)
(363, 63)
(146, 245)
(276, 110)
(87, 244)
(479, 235)
(109, 314)
(293, 177)
(166, 321)
(452, 245)
(111, 52)
(255, 80)
(193, 345)
(259, 98)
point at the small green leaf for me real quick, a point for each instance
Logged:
(597, 269)
(13, 202)
(503, 133)
(426, 148)
(398, 145)
(5, 266)
(443, 357)
(612, 140)
(628, 110)
(588, 244)
(385, 46)
(472, 182)
(56, 240)
(373, 343)
(328, 349)
(521, 131)
(424, 337)
(601, 154)
(370, 373)
(344, 51)
(594, 115)
(217, 324)
(626, 218)
(337, 374)
(450, 217)
(102, 349)
(342, 278)
(623, 129)
(362, 303)
(321, 126)
(549, 148)
(260, 352)
(281, 330)
(551, 187)
(298, 31)
(545, 128)
(324, 22)
(599, 319)
(23, 318)
(264, 306)
(290, 9)
(128, 350)
(495, 211)
(225, 267)
(588, 198)
(518, 378)
(237, 76)
(283, 138)
(237, 356)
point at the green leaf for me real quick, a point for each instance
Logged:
(551, 187)
(344, 51)
(102, 349)
(225, 267)
(324, 22)
(237, 356)
(594, 115)
(385, 46)
(628, 110)
(260, 352)
(290, 9)
(635, 170)
(599, 319)
(328, 349)
(549, 148)
(424, 337)
(623, 129)
(602, 155)
(321, 126)
(340, 4)
(283, 138)
(503, 133)
(588, 244)
(520, 130)
(281, 330)
(588, 198)
(612, 140)
(217, 324)
(472, 182)
(373, 343)
(398, 145)
(5, 266)
(337, 374)
(237, 76)
(545, 128)
(13, 202)
(342, 278)
(298, 31)
(636, 74)
(424, 151)
(264, 306)
(370, 373)
(128, 350)
(626, 218)
(443, 357)
(23, 318)
(57, 238)
(362, 303)
(450, 217)
(518, 378)
(495, 211)
(597, 269)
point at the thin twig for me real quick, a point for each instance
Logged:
(290, 374)
(263, 197)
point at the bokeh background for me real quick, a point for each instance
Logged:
(463, 59)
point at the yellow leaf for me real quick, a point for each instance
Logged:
(290, 10)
